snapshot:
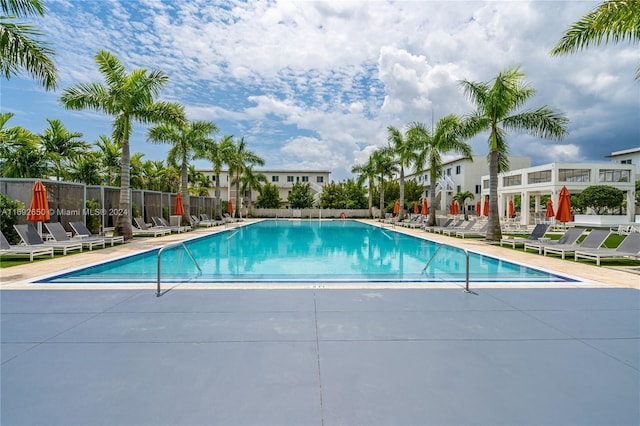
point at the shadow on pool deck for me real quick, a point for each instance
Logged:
(314, 357)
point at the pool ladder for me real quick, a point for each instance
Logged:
(466, 254)
(162, 249)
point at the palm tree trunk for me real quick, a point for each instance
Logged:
(494, 233)
(184, 189)
(432, 198)
(370, 198)
(237, 207)
(382, 212)
(217, 214)
(401, 213)
(123, 223)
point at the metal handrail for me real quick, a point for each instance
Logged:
(466, 253)
(158, 292)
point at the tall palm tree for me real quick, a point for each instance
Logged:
(385, 166)
(239, 159)
(251, 180)
(366, 171)
(61, 146)
(612, 20)
(405, 149)
(127, 98)
(497, 107)
(187, 139)
(447, 136)
(110, 154)
(21, 46)
(218, 153)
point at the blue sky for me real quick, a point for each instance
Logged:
(315, 84)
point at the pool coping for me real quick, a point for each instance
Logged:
(23, 276)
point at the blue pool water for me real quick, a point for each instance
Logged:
(306, 251)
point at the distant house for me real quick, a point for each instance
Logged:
(628, 156)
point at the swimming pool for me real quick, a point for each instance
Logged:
(306, 251)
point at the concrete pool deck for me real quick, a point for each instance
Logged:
(516, 356)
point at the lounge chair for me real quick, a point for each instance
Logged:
(628, 248)
(569, 238)
(144, 229)
(417, 223)
(538, 232)
(57, 231)
(205, 218)
(481, 232)
(452, 229)
(30, 237)
(175, 221)
(161, 223)
(407, 223)
(81, 230)
(440, 230)
(594, 240)
(195, 222)
(7, 249)
(433, 228)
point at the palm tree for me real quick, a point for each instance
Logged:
(199, 183)
(187, 139)
(613, 20)
(405, 148)
(19, 44)
(496, 110)
(127, 98)
(447, 136)
(21, 155)
(239, 159)
(61, 146)
(251, 180)
(218, 153)
(385, 166)
(461, 198)
(367, 172)
(86, 169)
(110, 154)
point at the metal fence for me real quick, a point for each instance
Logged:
(68, 201)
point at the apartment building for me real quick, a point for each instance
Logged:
(283, 179)
(628, 156)
(460, 175)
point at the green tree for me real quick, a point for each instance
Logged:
(62, 147)
(251, 180)
(238, 160)
(406, 152)
(385, 167)
(86, 169)
(269, 197)
(219, 154)
(333, 196)
(614, 20)
(447, 137)
(127, 98)
(199, 183)
(601, 198)
(109, 155)
(300, 196)
(186, 139)
(461, 198)
(21, 155)
(367, 172)
(9, 216)
(21, 44)
(354, 195)
(496, 111)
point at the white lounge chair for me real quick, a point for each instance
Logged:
(481, 232)
(144, 229)
(628, 248)
(569, 238)
(538, 232)
(453, 229)
(80, 229)
(59, 234)
(594, 240)
(7, 249)
(30, 237)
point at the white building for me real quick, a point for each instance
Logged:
(460, 175)
(548, 179)
(628, 156)
(283, 179)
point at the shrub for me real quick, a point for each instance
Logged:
(9, 212)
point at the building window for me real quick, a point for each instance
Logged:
(289, 178)
(613, 175)
(539, 177)
(485, 183)
(305, 178)
(512, 180)
(574, 175)
(320, 179)
(458, 188)
(449, 172)
(275, 178)
(478, 189)
(626, 161)
(458, 169)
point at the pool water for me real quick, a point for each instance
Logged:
(306, 251)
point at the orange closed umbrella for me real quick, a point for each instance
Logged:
(564, 206)
(396, 207)
(512, 210)
(478, 208)
(485, 209)
(425, 207)
(229, 207)
(415, 207)
(179, 207)
(39, 208)
(550, 212)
